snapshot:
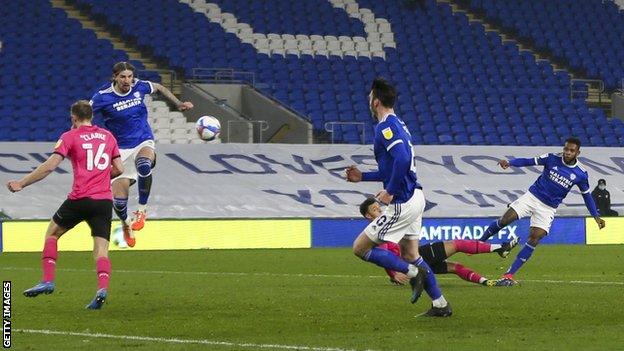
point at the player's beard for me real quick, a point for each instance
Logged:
(372, 111)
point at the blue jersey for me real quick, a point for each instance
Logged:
(393, 152)
(125, 116)
(557, 179)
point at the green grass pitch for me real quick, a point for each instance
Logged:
(571, 298)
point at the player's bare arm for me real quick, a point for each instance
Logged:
(182, 106)
(39, 173)
(117, 167)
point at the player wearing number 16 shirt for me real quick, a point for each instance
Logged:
(95, 159)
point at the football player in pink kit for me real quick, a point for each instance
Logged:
(436, 253)
(92, 151)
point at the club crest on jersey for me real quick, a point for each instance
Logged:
(58, 143)
(572, 176)
(387, 133)
(137, 94)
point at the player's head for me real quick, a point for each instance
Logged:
(123, 75)
(81, 112)
(571, 149)
(370, 208)
(381, 97)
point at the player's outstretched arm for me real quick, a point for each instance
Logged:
(182, 106)
(39, 173)
(354, 175)
(591, 204)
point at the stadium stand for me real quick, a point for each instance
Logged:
(47, 62)
(561, 27)
(458, 83)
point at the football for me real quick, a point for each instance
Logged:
(208, 128)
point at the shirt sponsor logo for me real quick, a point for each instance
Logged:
(125, 104)
(559, 179)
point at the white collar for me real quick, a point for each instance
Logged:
(567, 165)
(118, 94)
(386, 116)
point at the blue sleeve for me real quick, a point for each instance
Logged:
(96, 103)
(523, 162)
(145, 86)
(391, 139)
(591, 205)
(390, 135)
(371, 176)
(583, 186)
(402, 164)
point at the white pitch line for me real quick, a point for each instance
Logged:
(299, 275)
(181, 341)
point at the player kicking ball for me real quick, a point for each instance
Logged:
(121, 104)
(436, 253)
(92, 151)
(561, 172)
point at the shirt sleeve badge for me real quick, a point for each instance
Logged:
(58, 144)
(387, 133)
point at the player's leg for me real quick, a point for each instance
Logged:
(100, 224)
(509, 217)
(535, 235)
(415, 208)
(541, 220)
(143, 163)
(473, 247)
(466, 273)
(63, 220)
(409, 251)
(121, 188)
(365, 248)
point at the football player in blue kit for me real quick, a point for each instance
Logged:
(401, 220)
(121, 105)
(561, 172)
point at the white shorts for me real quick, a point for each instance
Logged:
(399, 220)
(128, 158)
(541, 214)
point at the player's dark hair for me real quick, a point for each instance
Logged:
(384, 92)
(122, 66)
(364, 205)
(82, 110)
(574, 140)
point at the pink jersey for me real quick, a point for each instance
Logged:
(91, 150)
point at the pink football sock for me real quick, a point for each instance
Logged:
(467, 274)
(472, 246)
(48, 258)
(103, 267)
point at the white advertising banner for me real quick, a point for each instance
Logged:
(267, 180)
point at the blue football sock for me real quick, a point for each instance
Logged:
(431, 284)
(144, 170)
(386, 259)
(522, 257)
(492, 230)
(120, 205)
